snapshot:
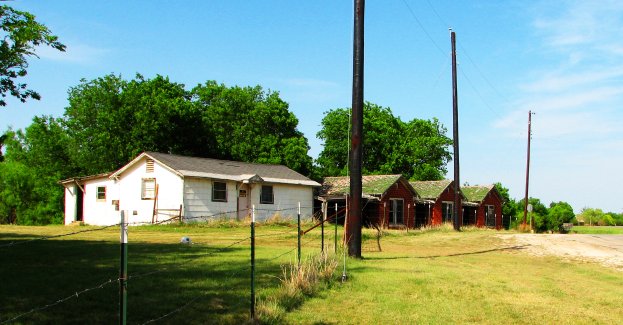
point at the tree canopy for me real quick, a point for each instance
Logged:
(418, 149)
(110, 120)
(21, 33)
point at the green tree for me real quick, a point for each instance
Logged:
(590, 216)
(538, 214)
(510, 207)
(35, 161)
(249, 124)
(417, 149)
(21, 33)
(559, 213)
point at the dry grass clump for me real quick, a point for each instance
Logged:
(314, 274)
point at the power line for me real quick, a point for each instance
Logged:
(422, 27)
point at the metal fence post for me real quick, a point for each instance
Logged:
(123, 270)
(253, 264)
(324, 218)
(299, 234)
(335, 235)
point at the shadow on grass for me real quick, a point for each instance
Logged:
(518, 247)
(195, 284)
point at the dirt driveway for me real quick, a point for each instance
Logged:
(604, 249)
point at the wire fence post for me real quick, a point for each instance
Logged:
(253, 264)
(324, 218)
(123, 270)
(299, 234)
(335, 235)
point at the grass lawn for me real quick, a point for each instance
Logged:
(430, 277)
(597, 230)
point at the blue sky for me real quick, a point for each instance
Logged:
(560, 59)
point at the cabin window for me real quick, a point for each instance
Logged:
(447, 211)
(148, 189)
(101, 193)
(266, 195)
(396, 211)
(219, 192)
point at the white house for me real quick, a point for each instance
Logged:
(157, 186)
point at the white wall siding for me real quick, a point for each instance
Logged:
(286, 199)
(130, 191)
(198, 200)
(96, 212)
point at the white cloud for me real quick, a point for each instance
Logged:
(74, 53)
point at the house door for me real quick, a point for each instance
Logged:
(490, 215)
(244, 208)
(79, 204)
(396, 212)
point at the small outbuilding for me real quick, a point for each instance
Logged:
(435, 203)
(388, 200)
(483, 206)
(157, 186)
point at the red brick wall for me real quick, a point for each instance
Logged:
(397, 191)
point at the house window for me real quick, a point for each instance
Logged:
(447, 211)
(101, 193)
(148, 189)
(266, 195)
(396, 211)
(219, 191)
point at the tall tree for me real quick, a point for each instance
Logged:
(21, 33)
(417, 149)
(559, 213)
(509, 205)
(249, 124)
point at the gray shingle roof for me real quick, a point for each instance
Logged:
(225, 169)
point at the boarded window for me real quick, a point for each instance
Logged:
(101, 193)
(219, 191)
(266, 195)
(148, 189)
(149, 166)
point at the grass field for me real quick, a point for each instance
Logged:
(419, 277)
(597, 230)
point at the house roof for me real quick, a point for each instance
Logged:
(476, 193)
(223, 169)
(84, 178)
(430, 189)
(371, 185)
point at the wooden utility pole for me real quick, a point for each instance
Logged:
(353, 227)
(525, 209)
(455, 132)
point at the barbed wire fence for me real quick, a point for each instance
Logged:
(242, 272)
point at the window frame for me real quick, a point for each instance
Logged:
(98, 193)
(223, 191)
(272, 195)
(450, 212)
(144, 189)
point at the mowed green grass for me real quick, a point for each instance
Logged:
(432, 277)
(608, 230)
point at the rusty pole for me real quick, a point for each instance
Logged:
(455, 117)
(354, 219)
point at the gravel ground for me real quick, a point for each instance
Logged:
(604, 249)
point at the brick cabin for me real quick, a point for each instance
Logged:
(388, 200)
(435, 203)
(483, 206)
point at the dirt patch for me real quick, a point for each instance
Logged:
(603, 249)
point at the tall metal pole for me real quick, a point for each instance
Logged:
(353, 227)
(298, 217)
(455, 118)
(324, 218)
(525, 209)
(123, 270)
